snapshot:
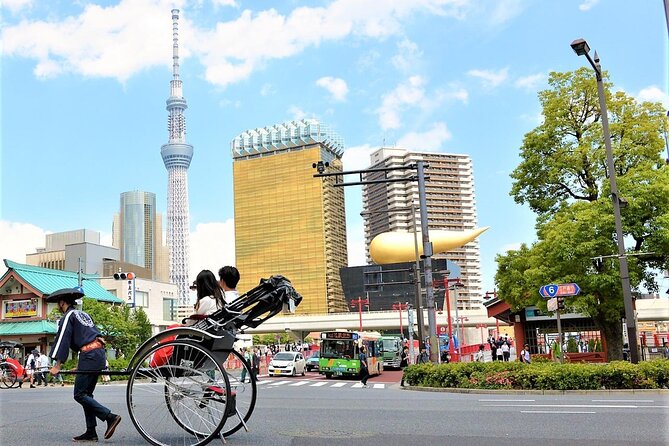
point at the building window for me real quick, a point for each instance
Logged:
(141, 299)
(169, 309)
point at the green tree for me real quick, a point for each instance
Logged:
(563, 178)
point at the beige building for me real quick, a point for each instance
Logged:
(451, 205)
(286, 221)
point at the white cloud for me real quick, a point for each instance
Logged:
(296, 112)
(266, 89)
(409, 93)
(407, 57)
(654, 94)
(587, 5)
(357, 157)
(19, 239)
(231, 3)
(121, 40)
(455, 93)
(355, 242)
(490, 78)
(335, 86)
(212, 245)
(530, 82)
(505, 10)
(15, 5)
(431, 139)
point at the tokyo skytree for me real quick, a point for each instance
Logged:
(177, 156)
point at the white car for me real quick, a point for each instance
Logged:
(287, 363)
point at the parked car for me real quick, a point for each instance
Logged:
(287, 363)
(312, 362)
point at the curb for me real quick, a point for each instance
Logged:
(535, 392)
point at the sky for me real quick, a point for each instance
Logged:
(84, 85)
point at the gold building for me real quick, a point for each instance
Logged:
(286, 221)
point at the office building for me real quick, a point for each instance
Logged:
(137, 233)
(451, 206)
(286, 221)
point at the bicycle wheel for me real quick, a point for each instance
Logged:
(8, 375)
(183, 402)
(244, 392)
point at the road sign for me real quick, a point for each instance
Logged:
(552, 304)
(563, 289)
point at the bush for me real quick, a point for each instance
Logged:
(540, 375)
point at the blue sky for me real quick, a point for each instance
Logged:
(84, 86)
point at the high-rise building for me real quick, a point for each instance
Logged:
(451, 206)
(286, 221)
(177, 156)
(138, 234)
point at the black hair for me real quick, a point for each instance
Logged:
(229, 275)
(208, 286)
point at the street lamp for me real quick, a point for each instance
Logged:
(360, 302)
(401, 307)
(581, 48)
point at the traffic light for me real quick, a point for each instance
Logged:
(560, 302)
(598, 263)
(124, 276)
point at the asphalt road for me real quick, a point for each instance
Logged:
(313, 411)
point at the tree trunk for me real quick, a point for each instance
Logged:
(612, 331)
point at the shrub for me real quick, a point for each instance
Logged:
(541, 375)
(572, 346)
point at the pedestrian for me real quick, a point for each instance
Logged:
(423, 357)
(525, 354)
(493, 349)
(479, 356)
(44, 368)
(57, 377)
(506, 351)
(364, 369)
(76, 330)
(229, 278)
(665, 352)
(404, 362)
(106, 378)
(31, 367)
(445, 357)
(255, 363)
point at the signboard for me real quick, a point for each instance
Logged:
(552, 304)
(339, 335)
(21, 308)
(555, 290)
(130, 292)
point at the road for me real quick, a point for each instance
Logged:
(314, 411)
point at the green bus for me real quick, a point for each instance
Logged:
(392, 349)
(340, 350)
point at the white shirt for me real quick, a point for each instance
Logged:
(206, 305)
(43, 362)
(230, 296)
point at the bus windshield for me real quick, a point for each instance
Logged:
(331, 348)
(390, 345)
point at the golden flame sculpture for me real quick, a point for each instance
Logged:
(397, 247)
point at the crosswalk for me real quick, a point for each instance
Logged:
(268, 383)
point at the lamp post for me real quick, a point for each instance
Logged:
(447, 298)
(401, 307)
(481, 327)
(581, 48)
(360, 302)
(494, 295)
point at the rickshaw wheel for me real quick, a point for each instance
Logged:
(8, 375)
(183, 401)
(245, 392)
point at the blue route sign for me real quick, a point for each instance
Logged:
(563, 289)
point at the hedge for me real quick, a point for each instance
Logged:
(541, 375)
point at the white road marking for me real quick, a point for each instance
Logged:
(506, 401)
(622, 401)
(599, 406)
(379, 386)
(318, 384)
(556, 411)
(356, 385)
(299, 383)
(338, 385)
(279, 383)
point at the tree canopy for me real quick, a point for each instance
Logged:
(563, 178)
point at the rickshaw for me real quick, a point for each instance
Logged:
(185, 384)
(11, 370)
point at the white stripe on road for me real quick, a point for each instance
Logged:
(506, 401)
(379, 386)
(279, 383)
(600, 406)
(318, 384)
(300, 383)
(556, 411)
(623, 401)
(339, 384)
(356, 385)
